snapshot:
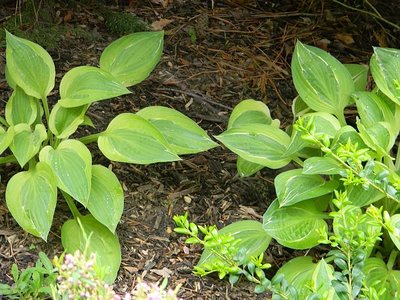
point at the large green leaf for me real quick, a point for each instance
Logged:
(385, 66)
(71, 162)
(293, 186)
(31, 198)
(130, 138)
(378, 276)
(346, 133)
(6, 137)
(21, 108)
(299, 108)
(261, 144)
(372, 109)
(131, 58)
(249, 112)
(26, 144)
(395, 230)
(322, 166)
(378, 136)
(85, 84)
(89, 236)
(298, 227)
(29, 66)
(247, 168)
(362, 196)
(106, 201)
(64, 121)
(324, 123)
(321, 283)
(321, 80)
(298, 272)
(182, 133)
(359, 73)
(253, 240)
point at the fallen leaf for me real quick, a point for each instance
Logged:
(160, 24)
(164, 272)
(68, 17)
(345, 38)
(164, 3)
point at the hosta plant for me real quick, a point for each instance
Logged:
(54, 162)
(343, 139)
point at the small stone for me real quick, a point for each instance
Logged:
(187, 199)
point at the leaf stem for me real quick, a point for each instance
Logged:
(71, 205)
(90, 138)
(3, 121)
(348, 167)
(7, 159)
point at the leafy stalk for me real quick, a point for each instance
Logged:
(310, 136)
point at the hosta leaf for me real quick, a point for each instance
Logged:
(21, 108)
(249, 112)
(359, 73)
(253, 240)
(395, 233)
(6, 137)
(379, 137)
(85, 84)
(64, 121)
(321, 283)
(29, 66)
(131, 58)
(361, 196)
(322, 166)
(293, 186)
(26, 144)
(346, 133)
(258, 143)
(324, 123)
(106, 201)
(373, 109)
(298, 227)
(385, 65)
(182, 133)
(298, 272)
(299, 108)
(247, 168)
(71, 163)
(89, 236)
(381, 278)
(321, 80)
(132, 139)
(31, 198)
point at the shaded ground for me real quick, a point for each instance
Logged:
(216, 54)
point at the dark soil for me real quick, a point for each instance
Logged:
(216, 54)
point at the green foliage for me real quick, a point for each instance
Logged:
(52, 161)
(33, 282)
(347, 176)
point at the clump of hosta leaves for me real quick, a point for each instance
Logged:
(359, 160)
(78, 279)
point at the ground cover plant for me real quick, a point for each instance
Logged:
(38, 139)
(343, 189)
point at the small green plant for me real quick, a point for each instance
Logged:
(38, 139)
(347, 175)
(33, 282)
